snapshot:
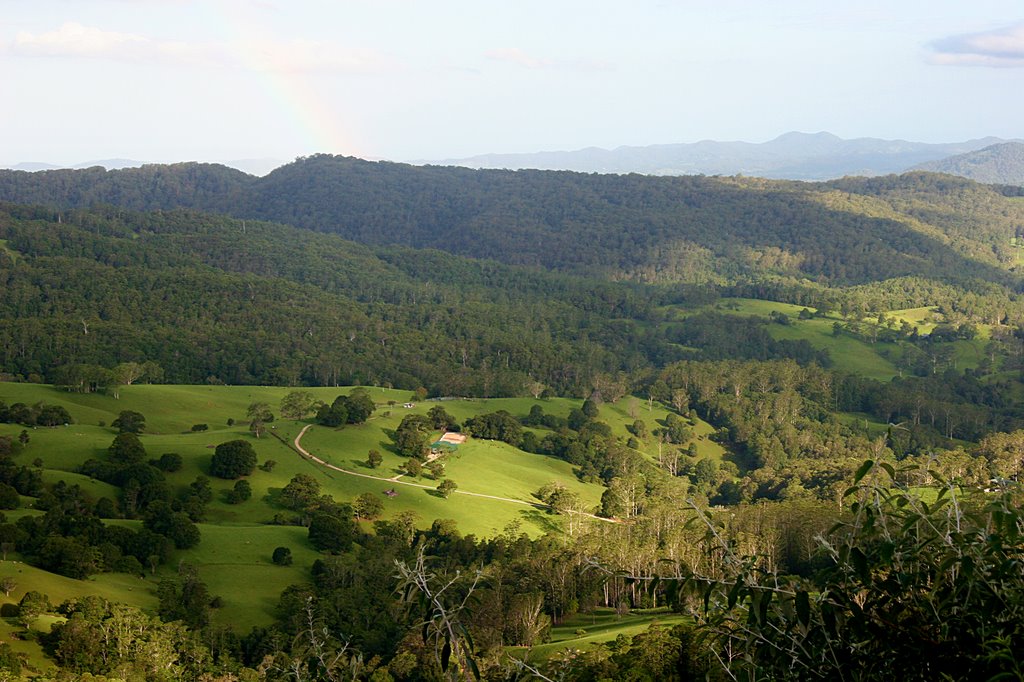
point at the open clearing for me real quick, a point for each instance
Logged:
(585, 631)
(233, 557)
(848, 353)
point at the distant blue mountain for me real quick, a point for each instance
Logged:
(796, 156)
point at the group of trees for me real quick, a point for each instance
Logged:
(354, 408)
(39, 414)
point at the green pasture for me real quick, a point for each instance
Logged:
(115, 587)
(847, 353)
(862, 421)
(483, 467)
(585, 631)
(235, 563)
(755, 306)
(850, 354)
(31, 654)
(925, 319)
(234, 556)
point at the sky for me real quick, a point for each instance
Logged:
(177, 80)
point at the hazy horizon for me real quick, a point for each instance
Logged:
(170, 80)
(268, 163)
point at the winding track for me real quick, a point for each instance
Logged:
(395, 480)
(313, 458)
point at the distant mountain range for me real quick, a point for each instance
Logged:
(794, 156)
(259, 167)
(999, 163)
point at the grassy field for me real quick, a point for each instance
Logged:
(237, 540)
(925, 319)
(584, 631)
(848, 353)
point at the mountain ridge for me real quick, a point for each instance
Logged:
(1001, 163)
(792, 156)
(690, 229)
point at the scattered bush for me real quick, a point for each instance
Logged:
(282, 556)
(233, 459)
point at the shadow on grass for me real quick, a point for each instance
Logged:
(542, 519)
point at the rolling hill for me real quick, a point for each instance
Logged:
(997, 164)
(661, 230)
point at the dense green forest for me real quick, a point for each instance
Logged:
(713, 401)
(689, 229)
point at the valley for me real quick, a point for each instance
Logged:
(229, 428)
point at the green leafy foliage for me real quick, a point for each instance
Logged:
(908, 590)
(233, 459)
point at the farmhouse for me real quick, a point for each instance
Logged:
(449, 442)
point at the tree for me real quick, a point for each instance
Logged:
(297, 404)
(681, 400)
(413, 467)
(23, 438)
(52, 415)
(32, 605)
(440, 419)
(128, 373)
(360, 406)
(152, 372)
(241, 492)
(187, 600)
(170, 462)
(129, 421)
(127, 449)
(8, 585)
(590, 409)
(577, 419)
(333, 415)
(368, 506)
(9, 497)
(411, 435)
(447, 487)
(259, 414)
(300, 492)
(174, 525)
(331, 532)
(905, 591)
(257, 428)
(233, 459)
(282, 556)
(374, 459)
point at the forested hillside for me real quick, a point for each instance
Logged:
(685, 229)
(620, 352)
(998, 163)
(213, 299)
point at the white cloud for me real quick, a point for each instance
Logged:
(76, 40)
(73, 40)
(1002, 47)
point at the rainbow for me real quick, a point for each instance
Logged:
(322, 129)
